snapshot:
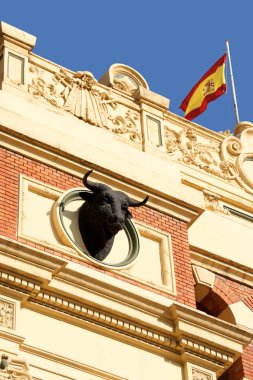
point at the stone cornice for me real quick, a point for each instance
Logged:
(154, 323)
(75, 166)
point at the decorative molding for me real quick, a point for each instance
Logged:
(203, 276)
(7, 314)
(221, 266)
(200, 375)
(104, 319)
(212, 202)
(80, 95)
(206, 350)
(76, 93)
(170, 334)
(18, 281)
(187, 148)
(166, 258)
(17, 370)
(123, 78)
(238, 150)
(127, 125)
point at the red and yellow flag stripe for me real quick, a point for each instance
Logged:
(209, 87)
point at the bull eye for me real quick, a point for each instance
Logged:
(105, 199)
(124, 207)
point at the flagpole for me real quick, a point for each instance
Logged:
(232, 83)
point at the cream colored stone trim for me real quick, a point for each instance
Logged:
(35, 354)
(31, 185)
(89, 314)
(18, 281)
(7, 314)
(17, 369)
(195, 372)
(153, 323)
(37, 187)
(221, 266)
(44, 155)
(203, 276)
(166, 256)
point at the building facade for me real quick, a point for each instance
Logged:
(174, 297)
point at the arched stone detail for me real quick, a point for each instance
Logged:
(123, 78)
(223, 289)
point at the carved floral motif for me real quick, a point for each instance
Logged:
(127, 125)
(79, 94)
(7, 314)
(190, 151)
(41, 89)
(199, 375)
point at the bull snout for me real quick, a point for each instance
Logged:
(118, 219)
(115, 224)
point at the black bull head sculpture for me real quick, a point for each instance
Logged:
(102, 216)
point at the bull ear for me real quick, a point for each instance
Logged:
(86, 196)
(129, 215)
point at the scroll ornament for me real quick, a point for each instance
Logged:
(187, 148)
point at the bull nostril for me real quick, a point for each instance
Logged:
(117, 219)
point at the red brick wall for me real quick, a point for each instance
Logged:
(242, 368)
(233, 291)
(224, 293)
(13, 164)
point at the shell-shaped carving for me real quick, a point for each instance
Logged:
(123, 78)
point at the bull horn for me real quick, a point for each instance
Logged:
(91, 185)
(133, 203)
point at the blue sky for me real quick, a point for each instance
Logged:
(171, 43)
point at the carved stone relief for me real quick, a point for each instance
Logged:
(80, 95)
(7, 314)
(123, 78)
(199, 375)
(17, 369)
(239, 152)
(212, 202)
(127, 125)
(187, 148)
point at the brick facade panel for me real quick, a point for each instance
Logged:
(13, 164)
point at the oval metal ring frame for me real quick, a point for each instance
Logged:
(129, 229)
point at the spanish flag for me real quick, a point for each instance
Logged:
(209, 87)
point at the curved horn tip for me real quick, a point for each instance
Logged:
(86, 175)
(138, 204)
(146, 199)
